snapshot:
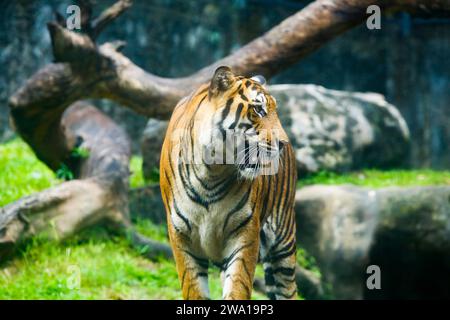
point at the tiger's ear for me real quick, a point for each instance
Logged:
(222, 80)
(260, 79)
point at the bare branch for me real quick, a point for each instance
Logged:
(109, 15)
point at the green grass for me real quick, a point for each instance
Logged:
(136, 178)
(379, 179)
(93, 265)
(307, 261)
(107, 269)
(21, 173)
(106, 266)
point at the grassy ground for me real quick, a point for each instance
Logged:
(20, 172)
(380, 179)
(93, 265)
(96, 265)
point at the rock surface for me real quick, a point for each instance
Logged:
(329, 129)
(404, 231)
(411, 243)
(335, 224)
(338, 130)
(146, 202)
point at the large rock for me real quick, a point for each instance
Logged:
(411, 243)
(336, 225)
(339, 130)
(403, 231)
(329, 129)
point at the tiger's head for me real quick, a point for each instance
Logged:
(246, 129)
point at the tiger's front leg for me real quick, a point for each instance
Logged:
(240, 262)
(192, 270)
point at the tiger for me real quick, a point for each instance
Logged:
(230, 214)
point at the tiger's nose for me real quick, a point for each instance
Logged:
(281, 144)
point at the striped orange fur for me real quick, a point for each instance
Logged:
(230, 214)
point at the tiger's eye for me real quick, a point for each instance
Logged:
(260, 110)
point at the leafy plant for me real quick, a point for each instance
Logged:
(64, 172)
(80, 152)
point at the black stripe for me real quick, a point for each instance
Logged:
(204, 263)
(190, 190)
(269, 278)
(234, 253)
(283, 270)
(241, 94)
(191, 123)
(245, 126)
(179, 214)
(227, 108)
(262, 236)
(282, 253)
(237, 116)
(287, 230)
(241, 225)
(238, 207)
(243, 264)
(225, 113)
(221, 192)
(217, 191)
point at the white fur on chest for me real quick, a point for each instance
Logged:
(207, 234)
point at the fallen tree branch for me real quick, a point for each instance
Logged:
(109, 15)
(57, 213)
(99, 194)
(103, 72)
(150, 248)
